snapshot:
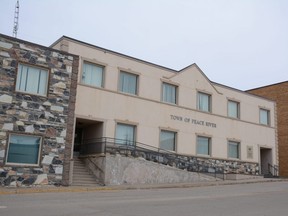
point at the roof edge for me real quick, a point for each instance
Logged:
(113, 52)
(35, 44)
(279, 83)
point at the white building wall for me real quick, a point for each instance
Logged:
(150, 115)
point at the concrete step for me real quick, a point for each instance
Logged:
(81, 175)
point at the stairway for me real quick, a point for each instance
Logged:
(81, 175)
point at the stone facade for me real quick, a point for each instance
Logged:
(50, 117)
(279, 93)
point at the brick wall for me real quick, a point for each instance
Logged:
(51, 116)
(279, 93)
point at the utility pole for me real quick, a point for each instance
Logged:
(16, 19)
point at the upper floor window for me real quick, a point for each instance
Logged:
(23, 149)
(32, 80)
(169, 93)
(264, 117)
(125, 134)
(128, 83)
(92, 74)
(233, 149)
(168, 140)
(233, 109)
(203, 145)
(204, 102)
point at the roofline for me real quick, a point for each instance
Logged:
(114, 52)
(243, 92)
(279, 83)
(34, 44)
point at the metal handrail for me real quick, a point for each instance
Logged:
(273, 170)
(105, 145)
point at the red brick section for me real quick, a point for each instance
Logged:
(70, 123)
(279, 93)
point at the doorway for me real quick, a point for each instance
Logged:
(265, 159)
(86, 129)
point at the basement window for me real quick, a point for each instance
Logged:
(23, 149)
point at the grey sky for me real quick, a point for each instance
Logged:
(239, 43)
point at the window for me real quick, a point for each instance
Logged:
(203, 145)
(204, 102)
(32, 80)
(169, 93)
(168, 140)
(264, 117)
(128, 83)
(92, 74)
(125, 134)
(233, 109)
(23, 149)
(233, 149)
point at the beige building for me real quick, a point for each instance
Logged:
(134, 101)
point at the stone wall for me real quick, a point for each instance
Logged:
(116, 169)
(51, 117)
(121, 170)
(279, 93)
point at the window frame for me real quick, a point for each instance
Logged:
(35, 67)
(120, 85)
(176, 92)
(237, 107)
(127, 142)
(233, 142)
(96, 64)
(268, 116)
(209, 101)
(209, 145)
(23, 164)
(175, 140)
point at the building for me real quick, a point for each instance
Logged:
(133, 101)
(37, 101)
(76, 100)
(279, 93)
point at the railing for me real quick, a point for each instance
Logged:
(273, 170)
(135, 149)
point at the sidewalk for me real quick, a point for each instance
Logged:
(53, 189)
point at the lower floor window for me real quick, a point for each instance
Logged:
(23, 149)
(168, 140)
(125, 134)
(233, 149)
(203, 145)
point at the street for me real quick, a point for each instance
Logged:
(269, 199)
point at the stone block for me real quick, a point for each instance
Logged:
(24, 104)
(41, 179)
(5, 45)
(58, 169)
(20, 123)
(2, 153)
(4, 54)
(61, 85)
(8, 126)
(47, 160)
(57, 108)
(29, 129)
(6, 99)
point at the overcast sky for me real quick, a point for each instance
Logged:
(239, 43)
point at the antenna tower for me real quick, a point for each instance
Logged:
(16, 18)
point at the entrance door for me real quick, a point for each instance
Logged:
(87, 132)
(265, 159)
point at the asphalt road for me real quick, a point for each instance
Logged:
(259, 199)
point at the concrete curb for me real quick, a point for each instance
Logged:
(52, 189)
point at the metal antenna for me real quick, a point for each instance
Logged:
(16, 18)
